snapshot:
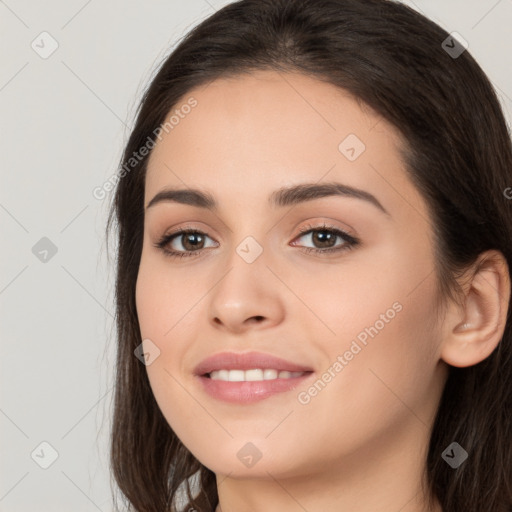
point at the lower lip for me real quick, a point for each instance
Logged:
(249, 391)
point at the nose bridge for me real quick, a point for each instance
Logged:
(246, 264)
(250, 249)
(250, 232)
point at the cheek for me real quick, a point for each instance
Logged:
(158, 306)
(162, 300)
(381, 317)
(387, 342)
(387, 296)
(167, 311)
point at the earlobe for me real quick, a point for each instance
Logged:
(474, 330)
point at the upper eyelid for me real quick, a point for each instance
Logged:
(302, 231)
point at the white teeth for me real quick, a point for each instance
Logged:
(269, 374)
(236, 375)
(252, 375)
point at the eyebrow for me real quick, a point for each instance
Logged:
(286, 196)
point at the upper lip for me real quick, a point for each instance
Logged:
(246, 361)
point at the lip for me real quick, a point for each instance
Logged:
(249, 392)
(246, 361)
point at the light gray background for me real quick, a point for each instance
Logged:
(64, 121)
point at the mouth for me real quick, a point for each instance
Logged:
(253, 375)
(245, 378)
(248, 386)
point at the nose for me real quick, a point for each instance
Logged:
(248, 296)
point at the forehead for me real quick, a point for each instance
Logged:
(269, 129)
(265, 114)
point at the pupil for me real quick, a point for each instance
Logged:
(189, 240)
(322, 237)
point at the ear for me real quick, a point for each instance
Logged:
(473, 330)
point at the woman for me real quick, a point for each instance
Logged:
(313, 284)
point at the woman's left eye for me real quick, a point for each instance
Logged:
(192, 241)
(326, 236)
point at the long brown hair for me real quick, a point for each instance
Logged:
(457, 153)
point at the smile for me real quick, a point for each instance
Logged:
(252, 375)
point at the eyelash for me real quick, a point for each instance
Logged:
(350, 241)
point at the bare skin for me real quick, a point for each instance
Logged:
(358, 444)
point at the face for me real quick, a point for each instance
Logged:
(340, 284)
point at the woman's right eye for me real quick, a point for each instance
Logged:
(188, 239)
